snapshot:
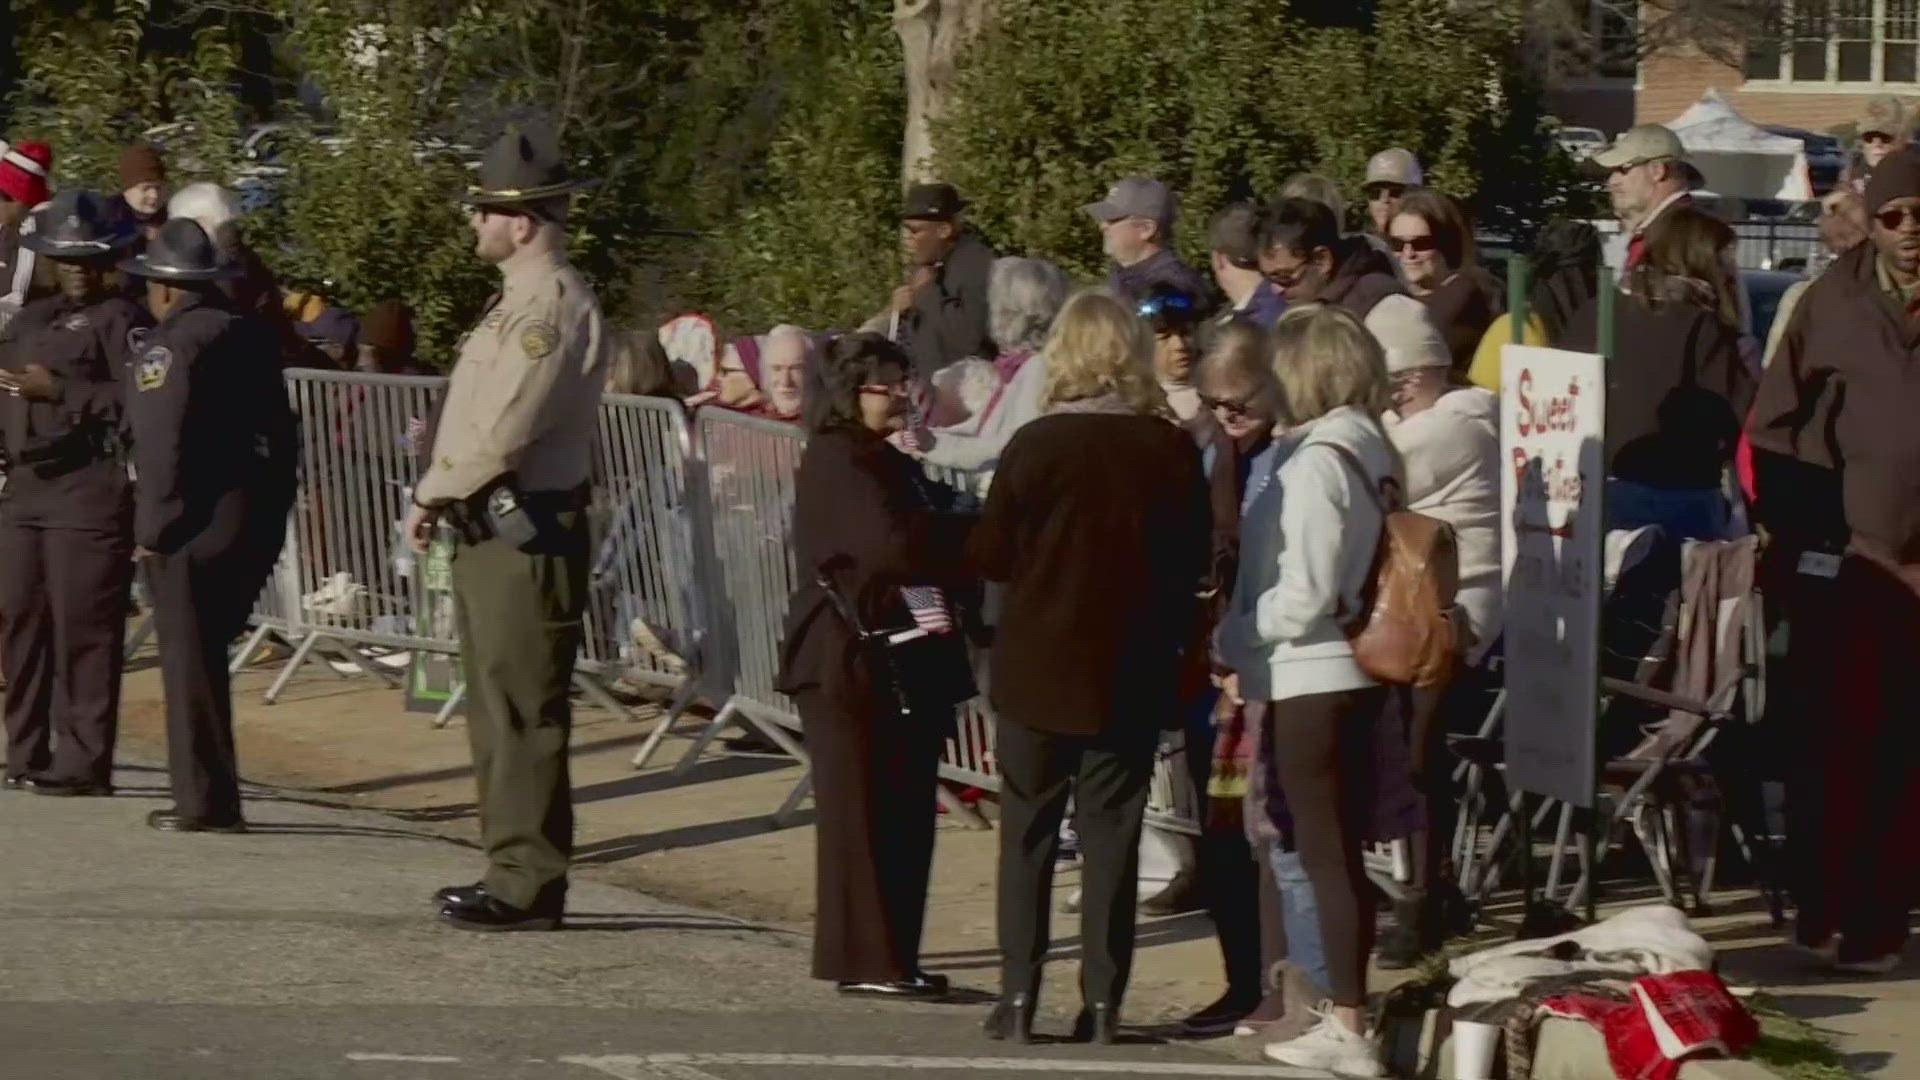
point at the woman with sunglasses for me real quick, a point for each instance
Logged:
(877, 558)
(1433, 241)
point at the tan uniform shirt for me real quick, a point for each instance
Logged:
(525, 391)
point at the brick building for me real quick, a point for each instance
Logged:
(1813, 66)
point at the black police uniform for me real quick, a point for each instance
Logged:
(213, 448)
(65, 539)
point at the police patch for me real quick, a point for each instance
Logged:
(152, 369)
(77, 321)
(494, 318)
(538, 340)
(136, 340)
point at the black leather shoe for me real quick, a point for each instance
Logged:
(484, 912)
(47, 785)
(174, 821)
(1012, 1019)
(918, 987)
(1097, 1023)
(464, 895)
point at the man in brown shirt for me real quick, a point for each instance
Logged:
(1837, 469)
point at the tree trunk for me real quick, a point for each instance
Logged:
(933, 33)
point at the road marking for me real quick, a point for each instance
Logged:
(685, 1066)
(411, 1059)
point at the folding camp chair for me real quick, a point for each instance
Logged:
(1660, 784)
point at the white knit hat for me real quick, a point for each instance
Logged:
(1408, 336)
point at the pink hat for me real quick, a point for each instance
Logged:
(23, 171)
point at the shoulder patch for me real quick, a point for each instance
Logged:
(152, 368)
(539, 339)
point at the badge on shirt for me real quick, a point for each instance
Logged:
(76, 321)
(136, 341)
(152, 373)
(494, 319)
(538, 340)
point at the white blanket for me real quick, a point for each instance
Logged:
(1654, 940)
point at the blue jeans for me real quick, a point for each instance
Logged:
(1300, 914)
(1685, 513)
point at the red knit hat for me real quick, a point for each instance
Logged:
(23, 171)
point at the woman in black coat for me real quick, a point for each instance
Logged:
(1098, 523)
(872, 548)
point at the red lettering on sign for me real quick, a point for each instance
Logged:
(1538, 416)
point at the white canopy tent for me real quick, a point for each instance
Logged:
(1738, 157)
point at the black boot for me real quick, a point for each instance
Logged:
(1098, 1022)
(1011, 1019)
(1401, 945)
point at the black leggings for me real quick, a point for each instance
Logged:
(1324, 745)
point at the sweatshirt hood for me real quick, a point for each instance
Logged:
(1353, 429)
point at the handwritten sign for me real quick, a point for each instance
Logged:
(1552, 428)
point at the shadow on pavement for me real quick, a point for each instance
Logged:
(623, 848)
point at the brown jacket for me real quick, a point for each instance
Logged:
(1098, 523)
(1835, 437)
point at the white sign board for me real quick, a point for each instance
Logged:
(1552, 428)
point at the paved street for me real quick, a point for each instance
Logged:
(308, 949)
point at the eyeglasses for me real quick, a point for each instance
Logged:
(1875, 137)
(1383, 192)
(1897, 216)
(1416, 243)
(1231, 408)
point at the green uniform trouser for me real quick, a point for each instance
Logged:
(519, 618)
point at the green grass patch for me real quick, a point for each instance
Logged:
(1792, 1047)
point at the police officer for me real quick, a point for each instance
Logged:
(66, 541)
(213, 451)
(509, 469)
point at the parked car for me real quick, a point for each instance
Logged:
(1581, 142)
(1826, 158)
(1764, 290)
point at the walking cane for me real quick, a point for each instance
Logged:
(878, 642)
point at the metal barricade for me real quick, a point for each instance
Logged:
(344, 583)
(1765, 245)
(645, 615)
(748, 574)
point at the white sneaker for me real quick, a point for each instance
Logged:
(1330, 1046)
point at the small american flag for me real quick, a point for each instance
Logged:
(929, 607)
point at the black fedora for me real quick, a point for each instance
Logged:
(182, 252)
(75, 225)
(523, 165)
(932, 202)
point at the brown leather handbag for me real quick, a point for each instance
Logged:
(1405, 632)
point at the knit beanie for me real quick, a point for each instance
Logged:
(389, 326)
(1896, 177)
(140, 163)
(23, 171)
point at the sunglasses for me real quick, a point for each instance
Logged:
(1414, 243)
(1233, 409)
(1876, 137)
(1383, 192)
(1897, 216)
(1170, 306)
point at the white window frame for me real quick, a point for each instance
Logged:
(1875, 83)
